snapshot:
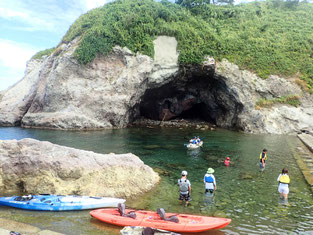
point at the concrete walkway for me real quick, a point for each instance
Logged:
(7, 225)
(305, 158)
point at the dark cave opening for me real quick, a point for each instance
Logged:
(194, 97)
(198, 112)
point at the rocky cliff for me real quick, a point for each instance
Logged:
(114, 90)
(32, 166)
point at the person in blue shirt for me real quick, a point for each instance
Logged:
(209, 181)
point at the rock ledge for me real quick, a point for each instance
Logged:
(32, 166)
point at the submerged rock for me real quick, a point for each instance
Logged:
(151, 147)
(36, 167)
(246, 175)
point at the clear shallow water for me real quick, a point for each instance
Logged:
(243, 194)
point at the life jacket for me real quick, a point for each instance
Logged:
(209, 179)
(284, 179)
(265, 156)
(183, 186)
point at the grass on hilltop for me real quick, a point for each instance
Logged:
(267, 37)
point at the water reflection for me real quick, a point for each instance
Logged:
(194, 152)
(208, 200)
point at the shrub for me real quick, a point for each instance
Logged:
(268, 37)
(40, 54)
(293, 100)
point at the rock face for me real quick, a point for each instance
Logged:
(115, 90)
(15, 101)
(247, 89)
(31, 166)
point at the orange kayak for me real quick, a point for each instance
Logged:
(187, 223)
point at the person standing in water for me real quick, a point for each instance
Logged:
(184, 188)
(263, 158)
(209, 181)
(227, 161)
(283, 186)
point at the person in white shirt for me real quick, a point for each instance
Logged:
(283, 186)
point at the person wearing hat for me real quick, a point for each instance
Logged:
(263, 157)
(184, 188)
(227, 161)
(209, 181)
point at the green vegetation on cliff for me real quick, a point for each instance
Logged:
(40, 54)
(268, 37)
(293, 100)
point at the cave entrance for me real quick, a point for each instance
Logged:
(192, 95)
(198, 112)
(188, 99)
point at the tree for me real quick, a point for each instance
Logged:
(193, 3)
(199, 3)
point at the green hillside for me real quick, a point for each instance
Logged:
(269, 37)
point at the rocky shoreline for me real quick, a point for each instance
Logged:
(176, 123)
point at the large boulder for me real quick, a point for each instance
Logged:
(32, 166)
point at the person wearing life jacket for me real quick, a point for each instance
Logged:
(184, 188)
(283, 186)
(193, 140)
(209, 181)
(263, 158)
(227, 161)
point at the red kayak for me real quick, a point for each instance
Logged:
(186, 223)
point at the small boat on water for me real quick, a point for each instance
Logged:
(49, 202)
(172, 222)
(192, 146)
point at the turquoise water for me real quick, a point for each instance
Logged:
(243, 194)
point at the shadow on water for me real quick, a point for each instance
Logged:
(244, 194)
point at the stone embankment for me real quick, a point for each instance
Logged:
(305, 159)
(30, 166)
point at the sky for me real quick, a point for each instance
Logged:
(29, 26)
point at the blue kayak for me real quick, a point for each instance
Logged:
(59, 202)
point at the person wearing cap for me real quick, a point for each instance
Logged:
(227, 161)
(184, 188)
(209, 181)
(263, 158)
